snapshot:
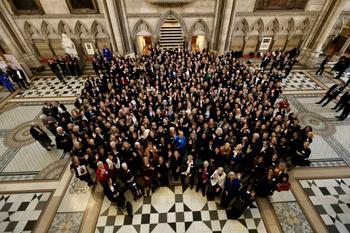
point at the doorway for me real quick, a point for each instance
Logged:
(198, 43)
(144, 44)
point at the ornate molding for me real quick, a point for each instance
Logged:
(157, 15)
(278, 13)
(144, 15)
(162, 2)
(195, 15)
(59, 16)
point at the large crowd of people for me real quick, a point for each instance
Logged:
(211, 122)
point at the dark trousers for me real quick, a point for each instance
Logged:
(339, 106)
(340, 74)
(59, 76)
(64, 70)
(320, 70)
(327, 97)
(183, 179)
(202, 186)
(345, 113)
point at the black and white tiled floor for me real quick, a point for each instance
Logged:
(299, 81)
(172, 210)
(331, 198)
(52, 87)
(19, 212)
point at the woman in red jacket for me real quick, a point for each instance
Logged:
(102, 173)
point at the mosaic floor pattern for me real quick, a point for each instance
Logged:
(52, 87)
(19, 212)
(172, 210)
(331, 199)
(299, 81)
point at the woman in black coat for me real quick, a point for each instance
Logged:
(41, 136)
(114, 193)
(162, 172)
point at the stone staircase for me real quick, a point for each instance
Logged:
(47, 73)
(171, 34)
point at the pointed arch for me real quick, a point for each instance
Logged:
(258, 26)
(48, 31)
(303, 26)
(243, 26)
(98, 30)
(291, 26)
(177, 17)
(273, 26)
(65, 28)
(31, 31)
(81, 30)
(141, 25)
(201, 25)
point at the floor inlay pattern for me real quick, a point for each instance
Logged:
(299, 81)
(66, 222)
(319, 124)
(331, 199)
(19, 212)
(20, 136)
(52, 87)
(291, 217)
(175, 211)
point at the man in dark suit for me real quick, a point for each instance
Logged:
(345, 112)
(323, 63)
(342, 102)
(331, 94)
(41, 136)
(265, 61)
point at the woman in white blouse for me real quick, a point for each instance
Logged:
(217, 181)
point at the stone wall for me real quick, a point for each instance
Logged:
(226, 24)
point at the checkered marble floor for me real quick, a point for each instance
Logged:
(331, 198)
(52, 87)
(299, 81)
(19, 212)
(172, 210)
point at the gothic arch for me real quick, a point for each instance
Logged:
(65, 28)
(31, 31)
(291, 26)
(98, 30)
(48, 30)
(273, 26)
(141, 25)
(303, 26)
(258, 26)
(81, 30)
(242, 26)
(202, 26)
(177, 17)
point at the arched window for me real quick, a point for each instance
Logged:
(280, 4)
(27, 7)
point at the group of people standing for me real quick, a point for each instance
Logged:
(283, 62)
(210, 122)
(335, 90)
(65, 66)
(11, 76)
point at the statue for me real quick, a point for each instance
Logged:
(68, 45)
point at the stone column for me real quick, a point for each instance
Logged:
(111, 17)
(321, 30)
(224, 30)
(345, 47)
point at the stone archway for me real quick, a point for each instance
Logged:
(171, 31)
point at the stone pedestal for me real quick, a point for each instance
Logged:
(308, 57)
